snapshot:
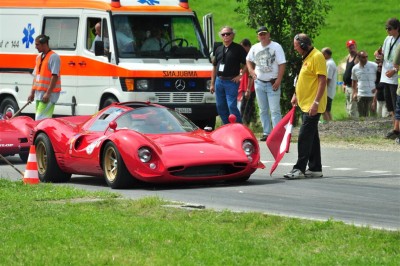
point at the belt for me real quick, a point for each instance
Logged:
(269, 81)
(225, 78)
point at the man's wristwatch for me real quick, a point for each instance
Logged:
(317, 103)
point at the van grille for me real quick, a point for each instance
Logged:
(180, 97)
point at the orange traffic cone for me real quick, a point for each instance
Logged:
(31, 172)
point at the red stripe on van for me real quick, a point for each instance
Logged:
(83, 66)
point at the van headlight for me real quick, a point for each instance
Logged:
(142, 84)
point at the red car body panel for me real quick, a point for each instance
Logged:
(78, 150)
(15, 135)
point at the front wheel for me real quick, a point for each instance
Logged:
(48, 168)
(24, 156)
(115, 172)
(210, 122)
(108, 101)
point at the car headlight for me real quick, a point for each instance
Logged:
(248, 147)
(144, 155)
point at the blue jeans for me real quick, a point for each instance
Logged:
(308, 145)
(269, 104)
(226, 93)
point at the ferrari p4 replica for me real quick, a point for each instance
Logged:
(15, 135)
(137, 142)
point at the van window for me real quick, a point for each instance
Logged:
(63, 32)
(158, 36)
(91, 32)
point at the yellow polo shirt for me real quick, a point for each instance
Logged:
(307, 83)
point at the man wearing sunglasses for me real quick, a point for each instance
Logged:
(266, 63)
(228, 60)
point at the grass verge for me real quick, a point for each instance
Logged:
(59, 225)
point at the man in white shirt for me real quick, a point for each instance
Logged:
(363, 77)
(331, 81)
(97, 29)
(156, 42)
(266, 63)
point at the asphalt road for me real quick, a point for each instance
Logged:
(359, 187)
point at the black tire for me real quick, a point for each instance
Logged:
(8, 104)
(206, 122)
(48, 168)
(24, 156)
(115, 172)
(108, 101)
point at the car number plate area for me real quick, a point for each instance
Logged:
(184, 110)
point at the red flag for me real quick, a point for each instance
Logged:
(278, 141)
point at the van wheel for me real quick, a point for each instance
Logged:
(8, 104)
(206, 122)
(108, 101)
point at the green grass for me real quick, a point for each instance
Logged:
(58, 225)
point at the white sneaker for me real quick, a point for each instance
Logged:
(294, 174)
(310, 173)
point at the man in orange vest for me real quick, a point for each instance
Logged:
(46, 85)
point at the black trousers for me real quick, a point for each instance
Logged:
(308, 145)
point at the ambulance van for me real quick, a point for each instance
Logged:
(144, 50)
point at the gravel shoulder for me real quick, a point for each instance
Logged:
(363, 134)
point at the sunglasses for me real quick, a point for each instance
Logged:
(226, 34)
(262, 34)
(389, 28)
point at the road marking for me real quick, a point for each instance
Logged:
(378, 172)
(344, 169)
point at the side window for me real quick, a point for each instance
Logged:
(105, 36)
(63, 32)
(93, 32)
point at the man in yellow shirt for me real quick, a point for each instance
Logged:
(311, 97)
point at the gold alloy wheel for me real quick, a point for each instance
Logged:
(111, 164)
(41, 159)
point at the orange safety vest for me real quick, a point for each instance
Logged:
(43, 74)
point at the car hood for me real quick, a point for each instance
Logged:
(179, 139)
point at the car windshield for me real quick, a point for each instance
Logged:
(155, 120)
(162, 36)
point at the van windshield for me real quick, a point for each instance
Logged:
(143, 36)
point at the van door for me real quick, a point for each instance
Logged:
(94, 71)
(63, 32)
(208, 31)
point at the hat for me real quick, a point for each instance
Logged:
(262, 29)
(350, 42)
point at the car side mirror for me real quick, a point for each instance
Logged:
(113, 125)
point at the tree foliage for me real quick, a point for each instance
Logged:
(284, 19)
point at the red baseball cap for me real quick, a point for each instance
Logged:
(350, 42)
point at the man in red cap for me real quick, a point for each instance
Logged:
(351, 60)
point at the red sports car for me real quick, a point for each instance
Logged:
(15, 135)
(136, 141)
